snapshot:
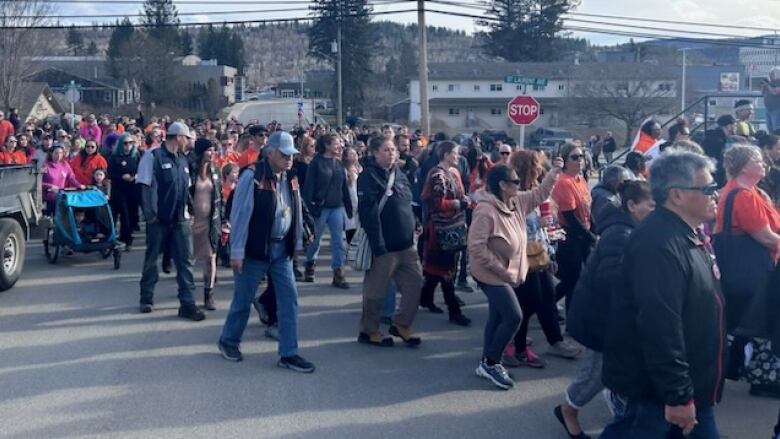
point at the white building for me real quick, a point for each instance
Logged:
(209, 73)
(474, 96)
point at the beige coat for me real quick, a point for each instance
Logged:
(497, 236)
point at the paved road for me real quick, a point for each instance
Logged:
(284, 111)
(78, 360)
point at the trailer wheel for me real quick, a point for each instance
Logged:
(13, 244)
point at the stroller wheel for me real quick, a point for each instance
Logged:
(117, 259)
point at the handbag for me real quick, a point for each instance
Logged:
(745, 264)
(451, 233)
(538, 258)
(359, 255)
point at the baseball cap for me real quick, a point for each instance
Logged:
(283, 142)
(179, 129)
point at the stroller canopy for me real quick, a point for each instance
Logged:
(85, 198)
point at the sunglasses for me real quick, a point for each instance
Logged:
(708, 190)
(505, 153)
(576, 157)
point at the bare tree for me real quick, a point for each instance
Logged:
(629, 101)
(21, 43)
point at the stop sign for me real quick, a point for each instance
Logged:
(523, 110)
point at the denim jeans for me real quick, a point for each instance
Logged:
(388, 309)
(179, 237)
(334, 220)
(587, 383)
(638, 419)
(773, 120)
(280, 271)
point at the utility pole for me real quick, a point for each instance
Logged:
(340, 110)
(425, 121)
(682, 87)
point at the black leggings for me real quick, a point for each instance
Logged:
(572, 254)
(537, 296)
(447, 288)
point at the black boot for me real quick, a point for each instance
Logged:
(208, 299)
(308, 275)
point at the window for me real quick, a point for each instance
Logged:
(496, 111)
(434, 88)
(107, 96)
(518, 87)
(496, 87)
(454, 112)
(121, 97)
(453, 87)
(665, 87)
(561, 87)
(476, 87)
(538, 87)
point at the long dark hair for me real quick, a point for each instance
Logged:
(83, 153)
(496, 175)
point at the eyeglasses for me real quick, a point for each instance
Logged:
(577, 157)
(708, 190)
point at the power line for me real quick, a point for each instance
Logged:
(202, 24)
(628, 33)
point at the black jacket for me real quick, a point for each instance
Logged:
(215, 224)
(609, 145)
(600, 280)
(714, 146)
(393, 230)
(603, 198)
(119, 165)
(326, 186)
(665, 340)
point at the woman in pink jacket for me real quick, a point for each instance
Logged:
(498, 258)
(57, 174)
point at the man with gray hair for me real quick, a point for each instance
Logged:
(605, 194)
(665, 344)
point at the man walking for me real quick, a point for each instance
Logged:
(663, 356)
(165, 195)
(266, 228)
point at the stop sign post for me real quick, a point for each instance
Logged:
(522, 111)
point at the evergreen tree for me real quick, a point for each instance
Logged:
(187, 44)
(119, 46)
(162, 16)
(526, 30)
(223, 44)
(161, 44)
(75, 41)
(357, 45)
(92, 50)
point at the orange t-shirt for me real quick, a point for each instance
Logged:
(572, 193)
(18, 157)
(751, 212)
(248, 157)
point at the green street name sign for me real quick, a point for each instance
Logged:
(524, 80)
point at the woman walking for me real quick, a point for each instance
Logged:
(600, 279)
(87, 160)
(499, 260)
(445, 203)
(326, 194)
(536, 295)
(353, 167)
(122, 167)
(206, 193)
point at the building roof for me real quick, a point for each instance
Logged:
(54, 74)
(550, 71)
(29, 92)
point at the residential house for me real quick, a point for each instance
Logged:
(98, 92)
(37, 101)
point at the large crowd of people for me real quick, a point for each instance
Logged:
(637, 267)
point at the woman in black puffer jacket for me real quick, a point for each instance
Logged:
(603, 272)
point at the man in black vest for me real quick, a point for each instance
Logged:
(266, 222)
(165, 198)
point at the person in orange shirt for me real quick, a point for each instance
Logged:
(6, 151)
(227, 153)
(259, 136)
(87, 161)
(572, 195)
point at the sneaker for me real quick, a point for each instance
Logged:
(528, 358)
(261, 311)
(191, 312)
(496, 374)
(376, 339)
(464, 287)
(508, 357)
(229, 353)
(460, 320)
(272, 332)
(146, 308)
(296, 363)
(564, 349)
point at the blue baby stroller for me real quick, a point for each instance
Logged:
(82, 221)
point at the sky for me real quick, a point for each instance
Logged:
(755, 13)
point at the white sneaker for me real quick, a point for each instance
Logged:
(565, 349)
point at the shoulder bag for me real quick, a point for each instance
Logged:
(745, 264)
(359, 255)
